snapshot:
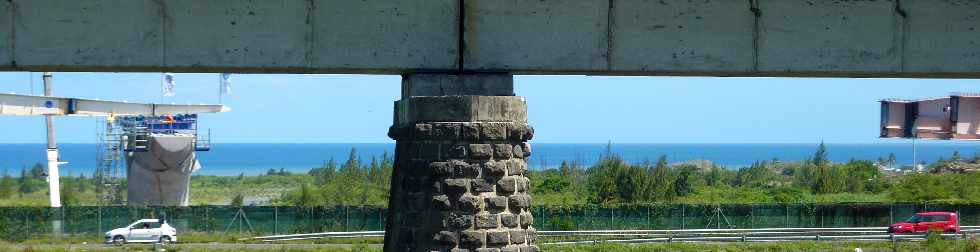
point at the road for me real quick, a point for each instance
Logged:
(189, 246)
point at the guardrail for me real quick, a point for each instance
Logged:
(747, 235)
(312, 236)
(683, 235)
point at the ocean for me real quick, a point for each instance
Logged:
(252, 159)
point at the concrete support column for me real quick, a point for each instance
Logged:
(460, 181)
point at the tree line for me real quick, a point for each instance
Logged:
(354, 182)
(614, 181)
(611, 180)
(33, 180)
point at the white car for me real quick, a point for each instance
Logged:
(143, 231)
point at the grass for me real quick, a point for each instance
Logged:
(215, 242)
(776, 246)
(178, 247)
(192, 237)
(219, 190)
(930, 246)
(266, 189)
(205, 190)
(933, 244)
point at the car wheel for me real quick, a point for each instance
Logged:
(165, 240)
(118, 240)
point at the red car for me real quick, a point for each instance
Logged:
(929, 221)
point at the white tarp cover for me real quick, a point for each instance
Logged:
(162, 175)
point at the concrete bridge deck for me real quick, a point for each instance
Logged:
(858, 38)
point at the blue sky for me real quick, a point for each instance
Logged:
(294, 108)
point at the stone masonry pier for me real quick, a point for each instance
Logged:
(460, 179)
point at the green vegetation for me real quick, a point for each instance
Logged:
(938, 187)
(31, 189)
(816, 180)
(248, 190)
(353, 183)
(610, 181)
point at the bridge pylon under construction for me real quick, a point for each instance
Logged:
(156, 143)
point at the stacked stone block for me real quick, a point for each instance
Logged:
(461, 186)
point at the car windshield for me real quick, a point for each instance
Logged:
(915, 219)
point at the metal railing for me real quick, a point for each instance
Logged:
(314, 236)
(745, 235)
(683, 235)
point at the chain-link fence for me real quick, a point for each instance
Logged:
(679, 216)
(18, 223)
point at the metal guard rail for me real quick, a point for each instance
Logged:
(681, 235)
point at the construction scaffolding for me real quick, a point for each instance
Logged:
(109, 162)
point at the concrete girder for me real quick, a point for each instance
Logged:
(294, 36)
(247, 34)
(6, 34)
(942, 31)
(68, 35)
(691, 37)
(859, 38)
(532, 35)
(852, 36)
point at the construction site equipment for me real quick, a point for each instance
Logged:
(132, 137)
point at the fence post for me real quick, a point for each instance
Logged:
(821, 223)
(347, 218)
(612, 216)
(275, 227)
(649, 225)
(207, 225)
(683, 216)
(786, 221)
(891, 213)
(100, 218)
(592, 217)
(27, 222)
(751, 218)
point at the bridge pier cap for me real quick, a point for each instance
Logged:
(460, 181)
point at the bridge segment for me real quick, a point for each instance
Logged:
(861, 38)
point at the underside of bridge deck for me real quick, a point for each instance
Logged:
(859, 38)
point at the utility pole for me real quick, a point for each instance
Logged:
(915, 162)
(54, 184)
